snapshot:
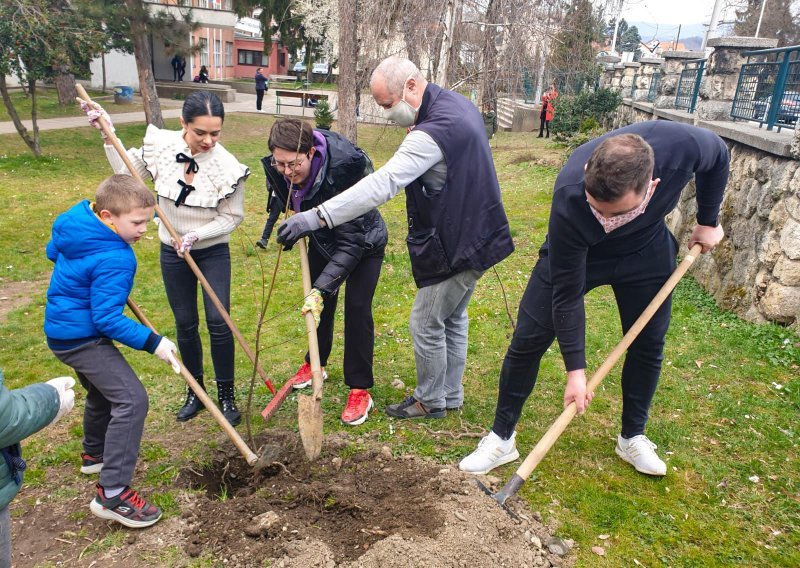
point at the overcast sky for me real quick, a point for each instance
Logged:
(668, 12)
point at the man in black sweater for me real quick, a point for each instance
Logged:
(607, 228)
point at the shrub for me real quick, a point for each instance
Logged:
(323, 115)
(584, 112)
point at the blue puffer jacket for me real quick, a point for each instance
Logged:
(92, 278)
(22, 412)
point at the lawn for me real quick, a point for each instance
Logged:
(47, 104)
(724, 417)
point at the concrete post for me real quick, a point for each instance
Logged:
(722, 74)
(616, 78)
(607, 62)
(650, 66)
(629, 72)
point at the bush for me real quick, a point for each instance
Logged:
(583, 113)
(323, 115)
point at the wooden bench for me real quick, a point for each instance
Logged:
(302, 97)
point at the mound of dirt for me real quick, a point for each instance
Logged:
(357, 505)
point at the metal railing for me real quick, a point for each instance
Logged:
(775, 76)
(633, 84)
(655, 79)
(689, 85)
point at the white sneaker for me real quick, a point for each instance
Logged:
(492, 452)
(639, 451)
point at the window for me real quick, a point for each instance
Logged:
(228, 54)
(248, 57)
(203, 50)
(281, 59)
(202, 3)
(217, 53)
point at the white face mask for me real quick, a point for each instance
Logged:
(402, 114)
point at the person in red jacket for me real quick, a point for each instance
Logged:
(548, 110)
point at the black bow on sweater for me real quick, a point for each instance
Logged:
(182, 158)
(186, 189)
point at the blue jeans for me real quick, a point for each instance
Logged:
(181, 287)
(439, 327)
(5, 538)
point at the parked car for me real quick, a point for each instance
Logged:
(299, 67)
(320, 68)
(788, 112)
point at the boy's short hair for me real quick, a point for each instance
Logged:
(618, 165)
(121, 194)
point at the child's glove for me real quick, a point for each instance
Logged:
(313, 304)
(166, 352)
(94, 111)
(186, 243)
(66, 396)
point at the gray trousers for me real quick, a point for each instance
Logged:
(5, 538)
(115, 409)
(439, 327)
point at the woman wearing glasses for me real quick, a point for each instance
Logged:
(307, 167)
(200, 188)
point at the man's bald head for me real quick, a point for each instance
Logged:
(393, 72)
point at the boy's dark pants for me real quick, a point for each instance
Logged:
(115, 409)
(635, 280)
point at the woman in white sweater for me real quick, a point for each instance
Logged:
(200, 187)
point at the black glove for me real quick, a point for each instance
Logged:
(296, 227)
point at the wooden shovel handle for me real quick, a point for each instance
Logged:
(561, 423)
(112, 138)
(311, 326)
(237, 440)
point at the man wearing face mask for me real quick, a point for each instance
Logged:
(607, 228)
(457, 227)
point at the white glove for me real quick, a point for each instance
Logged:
(66, 396)
(166, 352)
(186, 243)
(94, 111)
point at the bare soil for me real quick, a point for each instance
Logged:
(16, 294)
(357, 505)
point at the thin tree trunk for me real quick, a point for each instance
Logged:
(103, 61)
(36, 148)
(489, 77)
(348, 78)
(442, 71)
(141, 49)
(12, 112)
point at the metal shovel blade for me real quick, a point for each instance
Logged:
(508, 490)
(309, 413)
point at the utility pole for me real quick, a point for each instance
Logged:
(616, 29)
(760, 16)
(712, 25)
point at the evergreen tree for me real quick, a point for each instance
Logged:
(778, 22)
(573, 57)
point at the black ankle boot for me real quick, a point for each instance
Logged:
(227, 402)
(192, 405)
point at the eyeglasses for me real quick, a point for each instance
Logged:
(293, 165)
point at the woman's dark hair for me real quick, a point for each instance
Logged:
(291, 134)
(202, 103)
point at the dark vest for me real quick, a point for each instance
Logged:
(463, 226)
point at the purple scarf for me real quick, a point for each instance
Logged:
(321, 147)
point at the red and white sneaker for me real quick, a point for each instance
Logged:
(127, 508)
(302, 378)
(356, 411)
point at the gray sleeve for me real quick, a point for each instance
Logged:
(416, 155)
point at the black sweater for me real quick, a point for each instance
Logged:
(574, 235)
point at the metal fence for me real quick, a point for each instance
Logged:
(655, 79)
(689, 85)
(775, 76)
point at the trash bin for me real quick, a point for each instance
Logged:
(123, 95)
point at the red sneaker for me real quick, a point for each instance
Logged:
(302, 378)
(356, 411)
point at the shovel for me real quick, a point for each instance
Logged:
(309, 408)
(537, 454)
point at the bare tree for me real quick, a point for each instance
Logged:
(348, 71)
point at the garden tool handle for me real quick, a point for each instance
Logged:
(112, 138)
(250, 457)
(311, 326)
(561, 423)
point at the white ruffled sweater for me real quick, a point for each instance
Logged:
(214, 209)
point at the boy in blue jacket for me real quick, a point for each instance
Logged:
(22, 413)
(91, 281)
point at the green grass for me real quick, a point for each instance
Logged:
(47, 104)
(719, 416)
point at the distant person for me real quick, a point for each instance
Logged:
(489, 119)
(548, 110)
(203, 74)
(23, 412)
(274, 208)
(176, 67)
(182, 69)
(262, 84)
(84, 315)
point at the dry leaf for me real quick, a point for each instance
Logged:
(604, 536)
(754, 478)
(699, 363)
(599, 550)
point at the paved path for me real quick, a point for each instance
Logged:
(244, 104)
